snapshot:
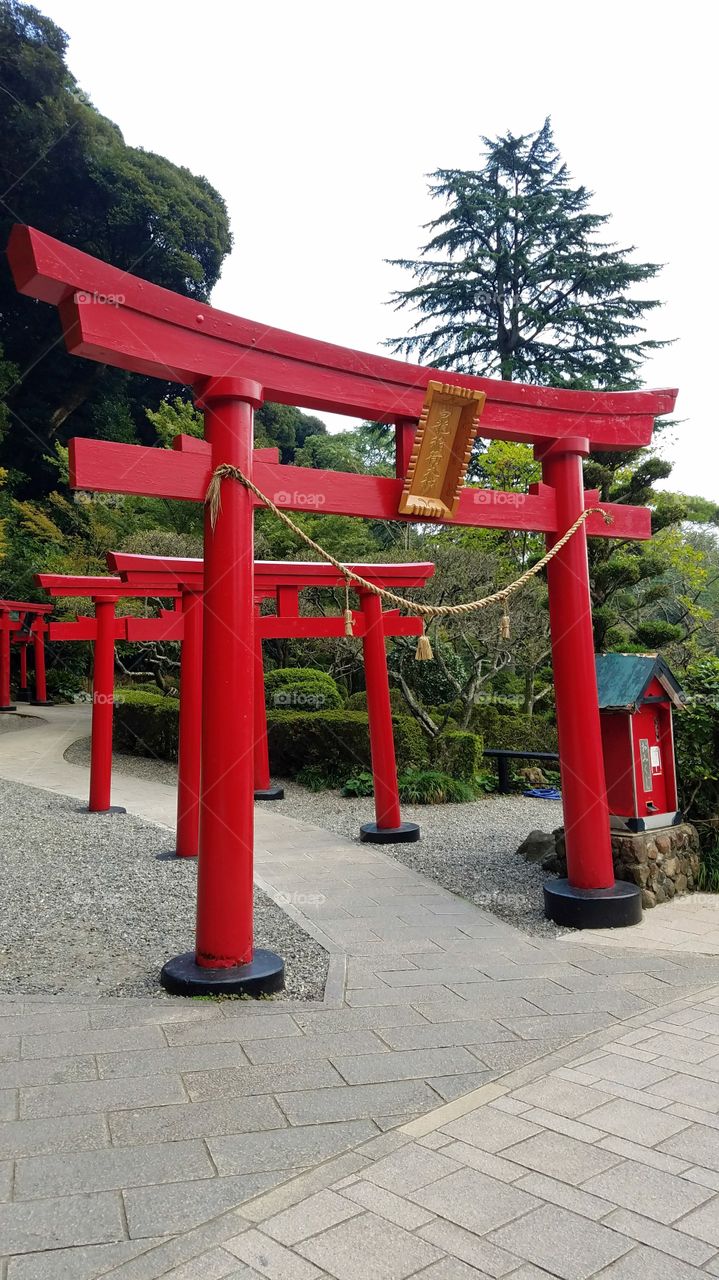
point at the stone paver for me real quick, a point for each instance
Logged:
(122, 1121)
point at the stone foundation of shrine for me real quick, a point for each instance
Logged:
(664, 862)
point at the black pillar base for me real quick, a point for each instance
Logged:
(23, 695)
(10, 707)
(264, 975)
(613, 908)
(270, 793)
(405, 833)
(41, 702)
(113, 808)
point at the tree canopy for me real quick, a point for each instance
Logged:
(66, 169)
(516, 280)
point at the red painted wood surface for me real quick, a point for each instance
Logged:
(586, 814)
(224, 936)
(84, 629)
(120, 319)
(66, 585)
(273, 627)
(189, 744)
(107, 467)
(175, 571)
(379, 712)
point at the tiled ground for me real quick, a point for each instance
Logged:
(606, 1167)
(127, 1122)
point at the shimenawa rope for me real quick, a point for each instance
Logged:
(426, 611)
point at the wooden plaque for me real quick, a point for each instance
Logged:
(447, 427)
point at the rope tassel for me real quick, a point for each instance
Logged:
(423, 652)
(349, 619)
(504, 627)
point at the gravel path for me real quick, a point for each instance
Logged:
(469, 849)
(94, 904)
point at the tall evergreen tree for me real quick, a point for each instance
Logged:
(516, 280)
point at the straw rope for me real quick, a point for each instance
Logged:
(427, 611)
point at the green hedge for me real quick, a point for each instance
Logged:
(337, 742)
(358, 702)
(146, 724)
(301, 689)
(458, 753)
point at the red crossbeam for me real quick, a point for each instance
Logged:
(120, 319)
(107, 467)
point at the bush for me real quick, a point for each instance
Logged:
(146, 724)
(696, 731)
(358, 702)
(301, 689)
(458, 753)
(360, 784)
(522, 733)
(62, 684)
(336, 742)
(430, 786)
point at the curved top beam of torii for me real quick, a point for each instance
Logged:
(120, 319)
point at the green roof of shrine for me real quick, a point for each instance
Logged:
(623, 679)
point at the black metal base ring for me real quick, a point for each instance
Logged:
(264, 975)
(613, 908)
(405, 833)
(270, 793)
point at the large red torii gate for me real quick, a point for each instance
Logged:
(233, 365)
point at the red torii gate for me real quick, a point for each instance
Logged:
(283, 581)
(233, 365)
(22, 632)
(102, 630)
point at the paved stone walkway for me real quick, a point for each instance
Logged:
(124, 1122)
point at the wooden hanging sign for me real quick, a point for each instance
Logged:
(438, 464)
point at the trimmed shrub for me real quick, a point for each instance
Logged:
(458, 753)
(301, 689)
(520, 733)
(337, 742)
(358, 702)
(146, 724)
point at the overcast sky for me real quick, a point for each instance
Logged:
(318, 122)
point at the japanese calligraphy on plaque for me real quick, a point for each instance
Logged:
(447, 427)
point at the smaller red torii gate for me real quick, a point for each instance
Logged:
(281, 581)
(102, 631)
(30, 625)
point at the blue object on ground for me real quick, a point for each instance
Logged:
(543, 793)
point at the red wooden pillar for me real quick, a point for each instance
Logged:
(224, 958)
(263, 783)
(589, 897)
(23, 693)
(5, 703)
(103, 693)
(388, 827)
(190, 728)
(38, 648)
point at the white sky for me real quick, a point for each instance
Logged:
(318, 122)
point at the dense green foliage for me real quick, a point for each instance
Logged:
(66, 169)
(146, 724)
(335, 742)
(301, 689)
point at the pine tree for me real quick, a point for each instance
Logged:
(516, 281)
